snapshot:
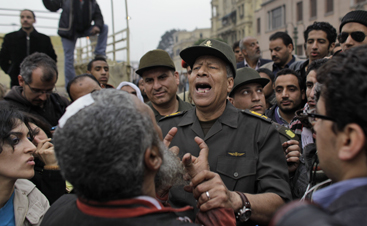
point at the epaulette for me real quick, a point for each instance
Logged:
(287, 133)
(258, 115)
(173, 115)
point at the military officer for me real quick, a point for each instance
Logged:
(161, 83)
(247, 93)
(244, 148)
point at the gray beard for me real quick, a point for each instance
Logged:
(171, 171)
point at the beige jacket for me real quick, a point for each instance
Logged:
(30, 205)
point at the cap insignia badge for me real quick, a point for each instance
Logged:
(208, 43)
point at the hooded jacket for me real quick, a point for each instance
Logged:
(51, 112)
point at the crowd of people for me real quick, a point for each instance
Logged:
(248, 137)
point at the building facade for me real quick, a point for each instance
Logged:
(233, 19)
(293, 16)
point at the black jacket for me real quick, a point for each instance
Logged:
(16, 47)
(300, 67)
(52, 111)
(66, 23)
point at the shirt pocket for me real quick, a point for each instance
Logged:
(237, 173)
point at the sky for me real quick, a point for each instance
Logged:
(150, 19)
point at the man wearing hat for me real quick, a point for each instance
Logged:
(160, 83)
(244, 148)
(353, 29)
(247, 93)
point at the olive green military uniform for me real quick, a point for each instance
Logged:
(182, 106)
(244, 149)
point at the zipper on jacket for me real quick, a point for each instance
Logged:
(28, 44)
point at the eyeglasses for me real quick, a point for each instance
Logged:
(357, 36)
(40, 91)
(312, 118)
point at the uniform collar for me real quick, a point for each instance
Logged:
(229, 116)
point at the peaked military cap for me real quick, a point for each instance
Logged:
(210, 47)
(155, 58)
(247, 75)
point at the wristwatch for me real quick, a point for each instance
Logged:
(244, 213)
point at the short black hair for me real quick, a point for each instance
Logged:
(286, 71)
(344, 89)
(267, 72)
(236, 45)
(77, 78)
(322, 26)
(284, 36)
(89, 66)
(316, 64)
(34, 15)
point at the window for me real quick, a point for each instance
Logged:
(313, 8)
(276, 17)
(258, 25)
(241, 11)
(329, 6)
(299, 11)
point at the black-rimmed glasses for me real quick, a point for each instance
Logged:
(312, 118)
(357, 36)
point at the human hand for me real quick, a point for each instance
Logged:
(195, 165)
(95, 30)
(209, 183)
(168, 139)
(292, 153)
(46, 153)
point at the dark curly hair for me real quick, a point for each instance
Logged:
(322, 26)
(344, 89)
(9, 120)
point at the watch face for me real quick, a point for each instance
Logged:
(245, 215)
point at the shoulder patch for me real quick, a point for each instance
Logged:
(289, 134)
(173, 115)
(258, 115)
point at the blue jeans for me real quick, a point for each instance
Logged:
(69, 47)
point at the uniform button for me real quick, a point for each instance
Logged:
(235, 174)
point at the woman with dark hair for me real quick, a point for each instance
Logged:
(47, 175)
(21, 203)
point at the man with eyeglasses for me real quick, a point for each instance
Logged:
(353, 29)
(341, 139)
(37, 79)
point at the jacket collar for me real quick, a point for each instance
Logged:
(229, 118)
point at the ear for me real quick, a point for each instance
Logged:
(229, 84)
(231, 100)
(290, 48)
(177, 77)
(21, 80)
(303, 94)
(352, 142)
(332, 46)
(88, 72)
(152, 158)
